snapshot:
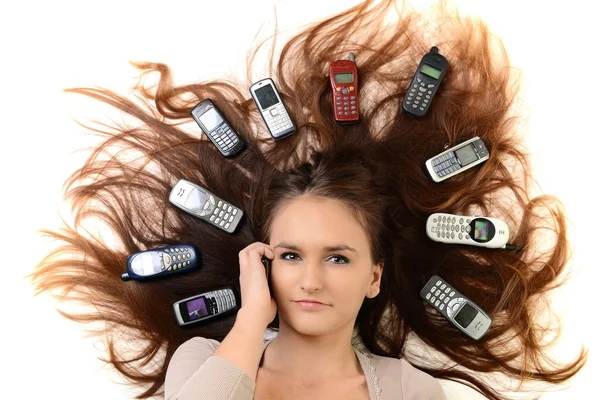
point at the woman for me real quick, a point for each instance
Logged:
(367, 179)
(326, 238)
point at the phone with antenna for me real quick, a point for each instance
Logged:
(206, 307)
(343, 75)
(457, 159)
(272, 109)
(201, 203)
(214, 125)
(478, 231)
(425, 84)
(462, 312)
(162, 261)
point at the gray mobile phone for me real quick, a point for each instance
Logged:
(201, 203)
(463, 313)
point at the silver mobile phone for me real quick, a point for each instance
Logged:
(201, 203)
(467, 316)
(271, 108)
(206, 306)
(217, 128)
(457, 159)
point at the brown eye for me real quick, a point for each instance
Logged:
(341, 259)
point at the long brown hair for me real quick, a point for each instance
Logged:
(376, 167)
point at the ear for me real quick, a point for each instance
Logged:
(375, 283)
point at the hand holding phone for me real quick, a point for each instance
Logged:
(254, 286)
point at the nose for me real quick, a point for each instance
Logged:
(312, 276)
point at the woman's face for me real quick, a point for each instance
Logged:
(322, 253)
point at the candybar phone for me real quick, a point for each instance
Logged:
(161, 261)
(206, 306)
(475, 231)
(467, 316)
(201, 203)
(425, 84)
(457, 159)
(343, 75)
(217, 129)
(267, 263)
(271, 108)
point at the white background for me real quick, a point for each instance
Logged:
(48, 46)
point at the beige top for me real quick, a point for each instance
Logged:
(195, 374)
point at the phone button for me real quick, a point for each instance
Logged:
(274, 111)
(344, 91)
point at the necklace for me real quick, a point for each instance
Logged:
(372, 375)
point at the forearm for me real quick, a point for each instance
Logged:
(243, 345)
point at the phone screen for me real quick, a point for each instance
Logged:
(466, 315)
(146, 263)
(481, 230)
(211, 119)
(195, 309)
(266, 96)
(195, 200)
(430, 71)
(347, 77)
(466, 154)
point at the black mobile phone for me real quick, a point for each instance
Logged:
(217, 129)
(206, 306)
(267, 263)
(425, 84)
(161, 261)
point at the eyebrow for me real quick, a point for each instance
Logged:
(338, 247)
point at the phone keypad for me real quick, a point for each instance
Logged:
(346, 105)
(450, 227)
(223, 214)
(445, 164)
(224, 137)
(419, 95)
(278, 119)
(442, 297)
(175, 258)
(221, 300)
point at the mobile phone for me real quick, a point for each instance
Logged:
(475, 231)
(271, 108)
(343, 75)
(457, 159)
(425, 83)
(267, 263)
(462, 312)
(217, 129)
(161, 261)
(206, 306)
(201, 203)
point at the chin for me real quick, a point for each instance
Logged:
(309, 323)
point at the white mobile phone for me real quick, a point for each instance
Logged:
(206, 306)
(457, 159)
(463, 313)
(475, 231)
(201, 203)
(272, 109)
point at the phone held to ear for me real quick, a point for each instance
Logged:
(457, 159)
(425, 84)
(161, 261)
(267, 263)
(463, 313)
(201, 203)
(271, 108)
(475, 231)
(343, 75)
(216, 128)
(205, 307)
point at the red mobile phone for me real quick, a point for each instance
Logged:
(343, 75)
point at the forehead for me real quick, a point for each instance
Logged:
(317, 222)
